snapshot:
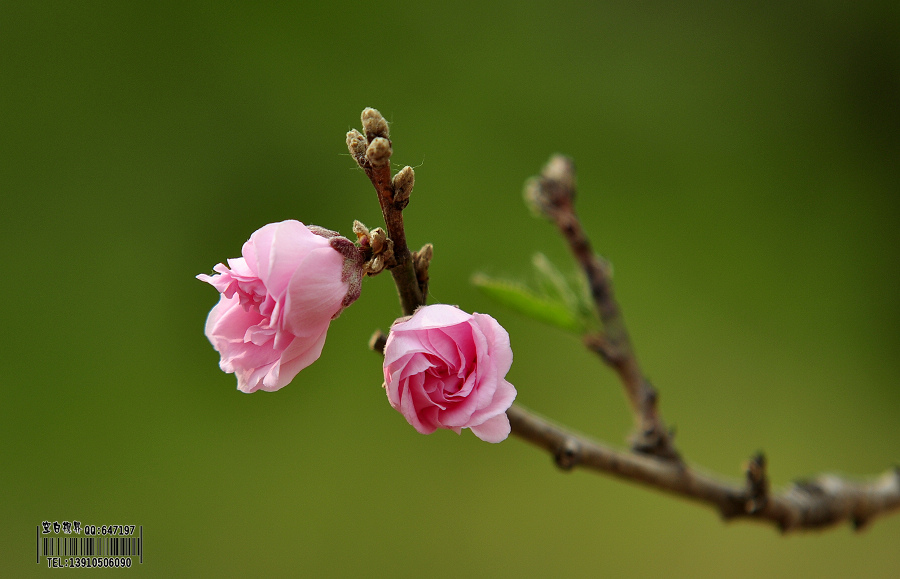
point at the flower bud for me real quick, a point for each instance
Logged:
(421, 260)
(378, 239)
(374, 124)
(403, 185)
(356, 144)
(560, 170)
(382, 252)
(379, 152)
(362, 232)
(554, 188)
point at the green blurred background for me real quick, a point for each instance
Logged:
(737, 164)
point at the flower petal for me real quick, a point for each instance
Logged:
(495, 430)
(315, 293)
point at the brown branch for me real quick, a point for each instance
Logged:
(824, 501)
(553, 195)
(821, 502)
(372, 152)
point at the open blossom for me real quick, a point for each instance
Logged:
(278, 300)
(444, 368)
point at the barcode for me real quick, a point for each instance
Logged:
(92, 546)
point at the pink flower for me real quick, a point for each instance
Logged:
(278, 300)
(444, 368)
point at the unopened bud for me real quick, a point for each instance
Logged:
(561, 170)
(534, 197)
(377, 238)
(421, 261)
(374, 124)
(378, 152)
(382, 251)
(375, 265)
(403, 185)
(554, 188)
(356, 144)
(361, 231)
(424, 255)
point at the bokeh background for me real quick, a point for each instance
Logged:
(737, 164)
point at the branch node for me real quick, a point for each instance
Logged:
(757, 484)
(568, 454)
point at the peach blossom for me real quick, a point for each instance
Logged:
(278, 301)
(444, 368)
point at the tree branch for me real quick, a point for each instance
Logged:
(817, 503)
(372, 152)
(553, 195)
(821, 502)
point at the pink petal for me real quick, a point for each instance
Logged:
(291, 243)
(414, 365)
(315, 292)
(299, 355)
(401, 344)
(504, 396)
(498, 340)
(256, 249)
(434, 316)
(251, 379)
(494, 430)
(443, 347)
(409, 411)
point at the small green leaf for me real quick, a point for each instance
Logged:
(525, 301)
(572, 290)
(552, 282)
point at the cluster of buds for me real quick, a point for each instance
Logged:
(371, 149)
(373, 146)
(379, 250)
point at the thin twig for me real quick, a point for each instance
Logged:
(821, 502)
(553, 195)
